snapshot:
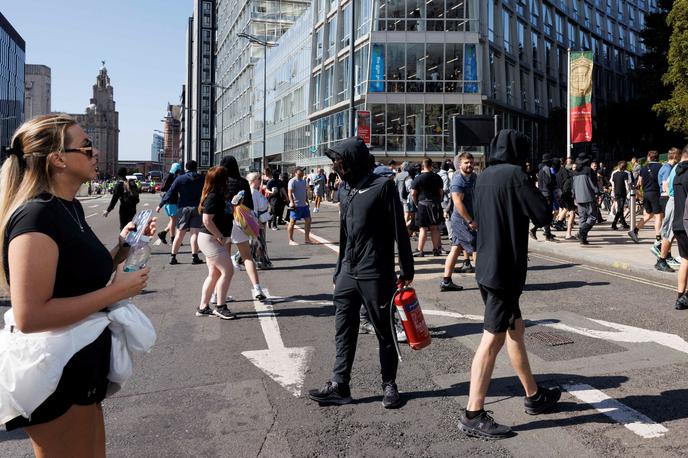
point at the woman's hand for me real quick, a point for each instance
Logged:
(129, 284)
(126, 230)
(149, 231)
(220, 240)
(150, 228)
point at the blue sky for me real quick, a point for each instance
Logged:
(141, 41)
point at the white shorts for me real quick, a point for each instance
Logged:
(210, 246)
(238, 235)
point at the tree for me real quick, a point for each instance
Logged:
(675, 107)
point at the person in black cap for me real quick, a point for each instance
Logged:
(371, 220)
(547, 184)
(504, 202)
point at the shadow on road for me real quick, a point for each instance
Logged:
(562, 285)
(552, 266)
(16, 435)
(304, 266)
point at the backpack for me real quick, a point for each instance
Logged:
(131, 193)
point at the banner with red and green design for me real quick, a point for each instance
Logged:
(580, 95)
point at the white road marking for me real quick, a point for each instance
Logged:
(635, 421)
(93, 206)
(146, 204)
(320, 240)
(93, 214)
(286, 366)
(157, 242)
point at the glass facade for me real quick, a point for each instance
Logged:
(12, 59)
(427, 15)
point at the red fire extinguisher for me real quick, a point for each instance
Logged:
(406, 303)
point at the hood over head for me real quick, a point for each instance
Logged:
(404, 166)
(509, 147)
(682, 167)
(355, 159)
(230, 163)
(547, 159)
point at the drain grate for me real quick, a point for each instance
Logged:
(548, 338)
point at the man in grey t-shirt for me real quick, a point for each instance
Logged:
(298, 206)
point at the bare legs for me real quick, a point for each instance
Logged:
(220, 272)
(307, 230)
(434, 236)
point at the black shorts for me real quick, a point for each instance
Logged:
(84, 382)
(682, 242)
(651, 203)
(566, 201)
(501, 309)
(429, 214)
(188, 218)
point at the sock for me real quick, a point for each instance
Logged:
(658, 238)
(446, 279)
(471, 414)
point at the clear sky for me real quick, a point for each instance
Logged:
(141, 41)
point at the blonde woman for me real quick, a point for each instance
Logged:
(58, 273)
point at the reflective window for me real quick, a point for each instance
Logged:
(506, 30)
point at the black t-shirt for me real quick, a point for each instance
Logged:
(620, 179)
(649, 174)
(216, 205)
(428, 186)
(84, 264)
(332, 178)
(275, 183)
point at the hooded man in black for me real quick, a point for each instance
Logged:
(504, 202)
(371, 220)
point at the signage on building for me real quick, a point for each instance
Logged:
(580, 95)
(363, 125)
(470, 68)
(377, 68)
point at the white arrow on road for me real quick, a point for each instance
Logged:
(286, 366)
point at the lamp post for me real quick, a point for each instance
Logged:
(265, 45)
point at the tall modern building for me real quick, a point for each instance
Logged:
(157, 148)
(12, 59)
(417, 63)
(101, 123)
(234, 63)
(36, 90)
(198, 105)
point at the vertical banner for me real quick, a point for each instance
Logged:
(377, 68)
(580, 96)
(470, 70)
(363, 125)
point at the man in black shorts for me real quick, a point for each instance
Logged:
(679, 226)
(427, 191)
(504, 202)
(649, 181)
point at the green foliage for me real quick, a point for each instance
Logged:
(675, 107)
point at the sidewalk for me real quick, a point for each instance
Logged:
(609, 249)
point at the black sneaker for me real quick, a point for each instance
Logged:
(533, 233)
(196, 260)
(205, 311)
(614, 228)
(331, 394)
(439, 252)
(583, 241)
(224, 313)
(634, 236)
(543, 401)
(162, 235)
(390, 398)
(662, 266)
(418, 254)
(467, 268)
(681, 303)
(173, 261)
(551, 238)
(450, 286)
(483, 426)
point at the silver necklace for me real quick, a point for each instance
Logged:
(76, 220)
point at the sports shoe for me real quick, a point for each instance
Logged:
(331, 393)
(439, 252)
(196, 260)
(205, 311)
(173, 261)
(213, 299)
(258, 293)
(681, 303)
(162, 235)
(224, 313)
(551, 238)
(583, 241)
(673, 262)
(235, 261)
(655, 249)
(275, 228)
(467, 268)
(450, 286)
(533, 233)
(634, 236)
(418, 254)
(614, 227)
(390, 397)
(366, 327)
(483, 426)
(663, 266)
(543, 401)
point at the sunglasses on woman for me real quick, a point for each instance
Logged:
(86, 150)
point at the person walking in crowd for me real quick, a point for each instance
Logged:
(212, 239)
(186, 190)
(58, 273)
(585, 196)
(427, 192)
(662, 249)
(411, 208)
(504, 202)
(463, 233)
(319, 184)
(567, 207)
(171, 206)
(277, 198)
(331, 186)
(235, 184)
(298, 207)
(371, 221)
(546, 183)
(648, 180)
(127, 194)
(680, 185)
(621, 186)
(261, 208)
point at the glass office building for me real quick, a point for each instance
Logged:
(12, 59)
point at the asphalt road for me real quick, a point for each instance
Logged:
(197, 394)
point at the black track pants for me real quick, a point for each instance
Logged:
(375, 295)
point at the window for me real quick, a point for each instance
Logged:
(586, 15)
(506, 30)
(207, 20)
(490, 20)
(548, 57)
(622, 35)
(598, 22)
(434, 67)
(395, 71)
(521, 32)
(346, 26)
(331, 37)
(534, 44)
(363, 15)
(319, 46)
(547, 19)
(572, 35)
(610, 30)
(560, 28)
(415, 67)
(414, 127)
(329, 87)
(534, 12)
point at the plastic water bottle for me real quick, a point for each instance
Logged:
(139, 255)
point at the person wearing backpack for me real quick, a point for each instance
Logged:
(127, 193)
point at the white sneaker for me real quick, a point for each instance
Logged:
(258, 293)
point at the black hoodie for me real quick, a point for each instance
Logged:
(371, 219)
(680, 194)
(504, 201)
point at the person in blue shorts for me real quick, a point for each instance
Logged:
(298, 206)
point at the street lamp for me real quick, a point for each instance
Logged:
(265, 45)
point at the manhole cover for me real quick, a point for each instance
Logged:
(547, 338)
